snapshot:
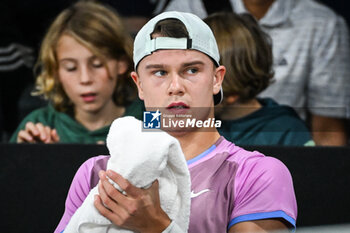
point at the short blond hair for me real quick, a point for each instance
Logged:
(100, 29)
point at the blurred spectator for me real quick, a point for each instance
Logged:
(22, 26)
(311, 57)
(245, 51)
(84, 65)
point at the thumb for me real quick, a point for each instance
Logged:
(154, 189)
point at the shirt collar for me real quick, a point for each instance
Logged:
(278, 13)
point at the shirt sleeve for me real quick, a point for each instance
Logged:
(329, 82)
(78, 191)
(263, 190)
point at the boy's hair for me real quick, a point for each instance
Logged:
(96, 27)
(245, 51)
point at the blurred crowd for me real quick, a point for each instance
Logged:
(293, 90)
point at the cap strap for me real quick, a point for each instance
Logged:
(168, 43)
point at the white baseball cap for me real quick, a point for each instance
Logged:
(201, 38)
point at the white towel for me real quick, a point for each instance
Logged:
(141, 157)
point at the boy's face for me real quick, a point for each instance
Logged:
(178, 80)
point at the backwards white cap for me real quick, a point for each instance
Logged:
(201, 38)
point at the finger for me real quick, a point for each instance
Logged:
(24, 136)
(106, 212)
(106, 200)
(30, 127)
(48, 133)
(154, 189)
(124, 184)
(42, 132)
(111, 203)
(155, 185)
(112, 191)
(54, 136)
(125, 209)
(127, 203)
(154, 194)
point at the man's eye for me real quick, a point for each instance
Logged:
(192, 71)
(160, 73)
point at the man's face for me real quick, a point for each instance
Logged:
(178, 80)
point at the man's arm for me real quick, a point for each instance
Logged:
(259, 226)
(78, 191)
(264, 197)
(327, 131)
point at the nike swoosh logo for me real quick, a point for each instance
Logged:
(193, 194)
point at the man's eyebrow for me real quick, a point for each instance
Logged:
(193, 63)
(161, 66)
(154, 66)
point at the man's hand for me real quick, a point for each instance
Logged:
(139, 210)
(33, 133)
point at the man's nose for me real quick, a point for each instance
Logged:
(176, 86)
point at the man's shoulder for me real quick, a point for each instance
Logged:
(91, 167)
(239, 155)
(256, 160)
(96, 163)
(253, 168)
(97, 160)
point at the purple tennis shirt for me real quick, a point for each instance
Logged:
(229, 185)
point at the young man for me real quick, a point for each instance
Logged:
(177, 70)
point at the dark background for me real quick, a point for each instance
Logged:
(36, 179)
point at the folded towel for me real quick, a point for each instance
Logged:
(141, 157)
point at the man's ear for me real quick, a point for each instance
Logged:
(135, 77)
(218, 78)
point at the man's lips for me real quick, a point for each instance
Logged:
(178, 105)
(178, 108)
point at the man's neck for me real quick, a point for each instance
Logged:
(258, 8)
(195, 143)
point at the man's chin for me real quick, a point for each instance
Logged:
(178, 132)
